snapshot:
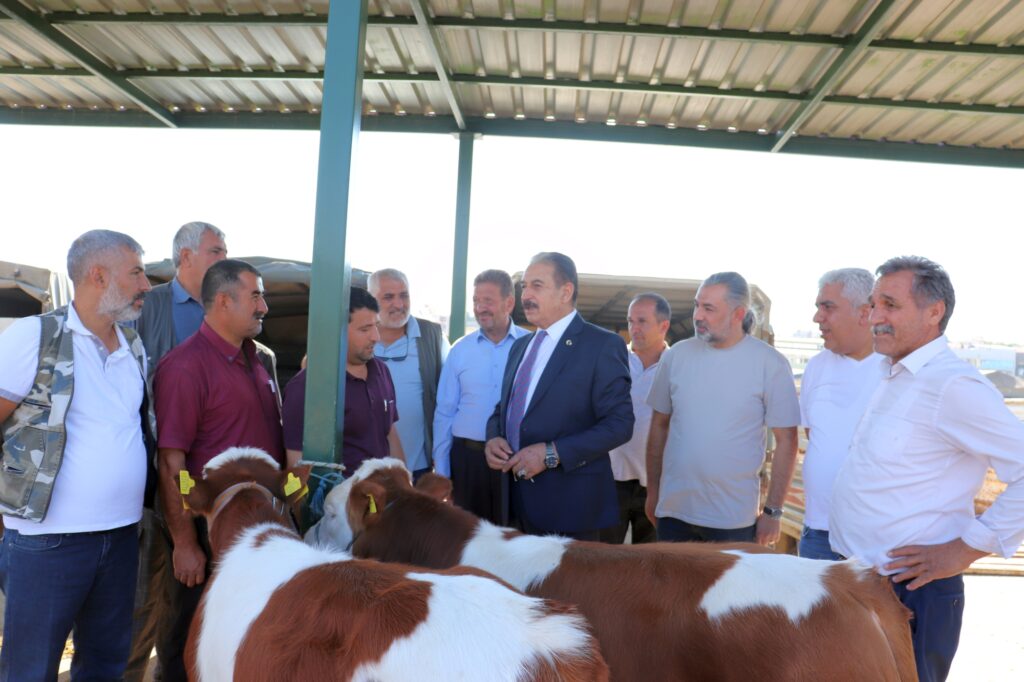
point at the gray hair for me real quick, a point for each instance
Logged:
(499, 278)
(856, 283)
(373, 282)
(93, 245)
(931, 282)
(737, 293)
(662, 310)
(223, 275)
(188, 236)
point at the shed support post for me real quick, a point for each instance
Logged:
(457, 319)
(327, 345)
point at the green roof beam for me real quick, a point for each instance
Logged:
(463, 198)
(39, 25)
(861, 42)
(432, 41)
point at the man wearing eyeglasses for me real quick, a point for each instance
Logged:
(414, 350)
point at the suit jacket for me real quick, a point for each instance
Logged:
(582, 404)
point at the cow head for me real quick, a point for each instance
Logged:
(349, 506)
(235, 466)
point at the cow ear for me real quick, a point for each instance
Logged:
(367, 500)
(436, 486)
(195, 494)
(293, 483)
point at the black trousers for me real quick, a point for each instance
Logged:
(632, 498)
(475, 486)
(675, 530)
(176, 613)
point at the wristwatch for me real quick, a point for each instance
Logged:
(550, 456)
(772, 512)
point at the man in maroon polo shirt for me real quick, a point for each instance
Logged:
(211, 393)
(370, 412)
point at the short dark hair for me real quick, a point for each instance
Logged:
(931, 282)
(222, 275)
(662, 310)
(499, 278)
(565, 269)
(360, 299)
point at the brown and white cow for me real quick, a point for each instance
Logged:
(661, 612)
(278, 609)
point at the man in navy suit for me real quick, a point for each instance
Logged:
(564, 404)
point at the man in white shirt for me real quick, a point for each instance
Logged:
(836, 387)
(714, 397)
(648, 318)
(904, 498)
(75, 454)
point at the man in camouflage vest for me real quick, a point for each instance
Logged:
(74, 406)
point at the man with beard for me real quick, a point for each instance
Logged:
(414, 349)
(370, 411)
(470, 388)
(564, 405)
(74, 407)
(212, 393)
(903, 501)
(714, 397)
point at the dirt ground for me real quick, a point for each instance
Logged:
(991, 644)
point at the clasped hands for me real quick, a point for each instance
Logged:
(524, 464)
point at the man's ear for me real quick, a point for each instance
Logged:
(196, 495)
(293, 483)
(863, 312)
(366, 501)
(436, 486)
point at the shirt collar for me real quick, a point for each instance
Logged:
(412, 328)
(178, 293)
(556, 330)
(75, 324)
(921, 357)
(514, 332)
(224, 348)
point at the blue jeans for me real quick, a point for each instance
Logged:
(675, 530)
(938, 614)
(57, 583)
(814, 545)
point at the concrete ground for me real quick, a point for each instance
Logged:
(991, 645)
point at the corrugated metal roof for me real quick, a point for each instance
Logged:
(932, 71)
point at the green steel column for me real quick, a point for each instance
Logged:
(457, 321)
(332, 274)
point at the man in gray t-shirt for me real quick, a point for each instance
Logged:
(714, 397)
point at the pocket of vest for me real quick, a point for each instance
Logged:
(24, 454)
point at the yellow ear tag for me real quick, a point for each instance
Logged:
(292, 484)
(373, 504)
(185, 482)
(302, 493)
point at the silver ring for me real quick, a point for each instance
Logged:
(522, 473)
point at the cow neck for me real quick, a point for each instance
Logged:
(228, 494)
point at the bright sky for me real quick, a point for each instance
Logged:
(780, 220)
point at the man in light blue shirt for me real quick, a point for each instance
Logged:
(470, 388)
(414, 350)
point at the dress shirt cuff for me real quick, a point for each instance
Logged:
(442, 467)
(984, 539)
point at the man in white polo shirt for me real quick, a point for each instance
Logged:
(73, 404)
(904, 498)
(836, 386)
(648, 318)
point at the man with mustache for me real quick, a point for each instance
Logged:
(173, 312)
(414, 350)
(470, 388)
(904, 497)
(74, 406)
(212, 393)
(836, 386)
(714, 398)
(564, 405)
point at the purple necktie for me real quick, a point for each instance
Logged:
(520, 387)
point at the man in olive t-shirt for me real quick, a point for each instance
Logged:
(714, 397)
